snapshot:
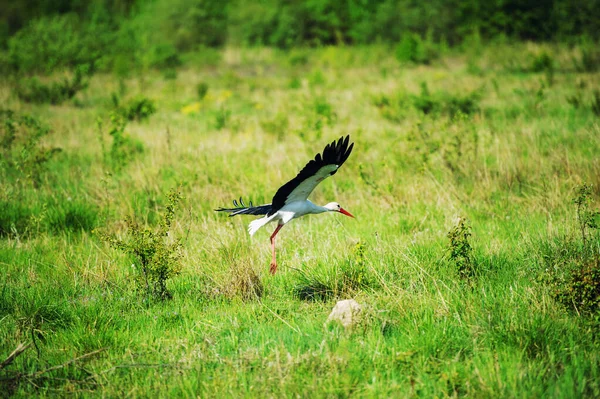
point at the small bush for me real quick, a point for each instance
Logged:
(22, 153)
(52, 43)
(573, 268)
(588, 60)
(425, 102)
(156, 255)
(123, 149)
(222, 116)
(542, 62)
(412, 48)
(202, 90)
(459, 249)
(581, 288)
(33, 91)
(596, 103)
(450, 104)
(164, 56)
(586, 218)
(136, 109)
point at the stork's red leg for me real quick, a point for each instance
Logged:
(273, 268)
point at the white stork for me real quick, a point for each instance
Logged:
(291, 200)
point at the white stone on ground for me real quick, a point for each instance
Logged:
(346, 312)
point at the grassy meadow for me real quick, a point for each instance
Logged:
(474, 179)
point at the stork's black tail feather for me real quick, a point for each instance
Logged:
(242, 209)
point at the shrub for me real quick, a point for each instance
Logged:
(450, 104)
(596, 103)
(156, 255)
(588, 59)
(22, 153)
(586, 218)
(425, 102)
(581, 288)
(202, 90)
(222, 116)
(31, 90)
(573, 268)
(139, 108)
(412, 48)
(459, 249)
(542, 62)
(54, 42)
(123, 148)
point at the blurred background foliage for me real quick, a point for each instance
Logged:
(125, 35)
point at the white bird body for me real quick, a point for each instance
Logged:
(291, 200)
(290, 211)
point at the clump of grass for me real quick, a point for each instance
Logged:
(460, 252)
(313, 287)
(345, 279)
(32, 90)
(157, 256)
(244, 283)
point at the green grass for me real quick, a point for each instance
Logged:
(509, 164)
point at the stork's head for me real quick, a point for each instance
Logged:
(335, 207)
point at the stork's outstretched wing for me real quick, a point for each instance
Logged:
(317, 170)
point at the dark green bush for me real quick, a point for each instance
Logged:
(450, 104)
(54, 42)
(202, 90)
(573, 267)
(460, 250)
(138, 108)
(31, 90)
(412, 48)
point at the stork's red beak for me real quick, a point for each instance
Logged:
(345, 212)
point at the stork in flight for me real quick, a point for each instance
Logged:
(291, 200)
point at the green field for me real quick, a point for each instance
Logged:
(503, 137)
